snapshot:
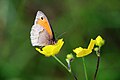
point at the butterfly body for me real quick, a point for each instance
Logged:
(41, 32)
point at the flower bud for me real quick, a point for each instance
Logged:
(69, 57)
(99, 41)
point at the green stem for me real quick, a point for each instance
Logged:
(97, 67)
(62, 64)
(84, 65)
(67, 68)
(98, 63)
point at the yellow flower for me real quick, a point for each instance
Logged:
(81, 52)
(99, 41)
(91, 45)
(51, 50)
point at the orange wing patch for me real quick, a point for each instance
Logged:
(44, 22)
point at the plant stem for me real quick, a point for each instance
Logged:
(67, 68)
(84, 65)
(62, 64)
(75, 78)
(98, 62)
(97, 67)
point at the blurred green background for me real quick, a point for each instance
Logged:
(80, 20)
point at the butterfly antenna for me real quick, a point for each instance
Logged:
(60, 35)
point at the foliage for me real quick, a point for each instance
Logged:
(79, 20)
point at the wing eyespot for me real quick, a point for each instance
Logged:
(41, 18)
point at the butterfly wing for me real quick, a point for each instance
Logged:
(42, 20)
(39, 36)
(41, 32)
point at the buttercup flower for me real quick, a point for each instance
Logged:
(99, 41)
(51, 50)
(81, 52)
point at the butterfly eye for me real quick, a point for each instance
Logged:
(41, 18)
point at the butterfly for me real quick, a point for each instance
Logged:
(41, 32)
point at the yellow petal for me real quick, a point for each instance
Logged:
(81, 52)
(58, 46)
(84, 52)
(51, 50)
(38, 49)
(77, 50)
(91, 45)
(47, 50)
